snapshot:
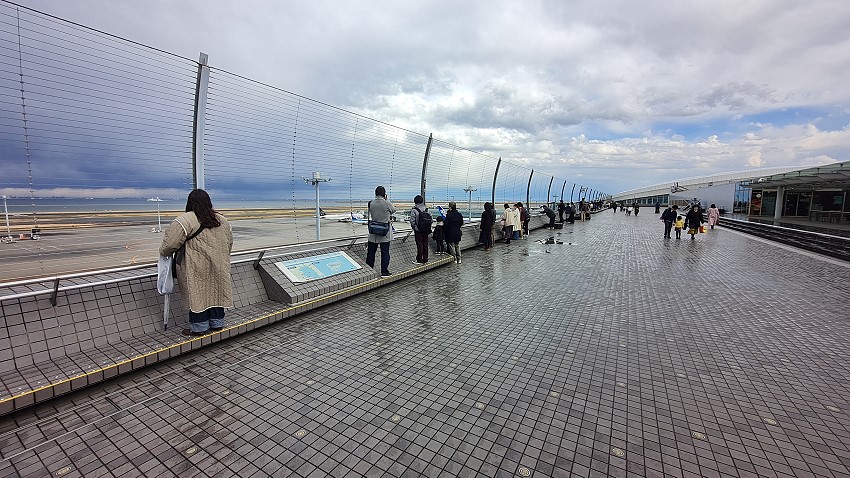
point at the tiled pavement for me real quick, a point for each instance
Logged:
(614, 354)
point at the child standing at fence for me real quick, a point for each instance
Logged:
(439, 237)
(680, 224)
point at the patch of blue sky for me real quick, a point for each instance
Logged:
(695, 131)
(826, 119)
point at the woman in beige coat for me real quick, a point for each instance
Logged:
(204, 273)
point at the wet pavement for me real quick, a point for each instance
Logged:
(617, 353)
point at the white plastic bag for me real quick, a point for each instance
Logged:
(164, 279)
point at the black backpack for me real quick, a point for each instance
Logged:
(424, 221)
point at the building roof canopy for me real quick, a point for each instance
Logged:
(830, 176)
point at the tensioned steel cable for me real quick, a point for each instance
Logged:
(27, 144)
(292, 180)
(392, 163)
(90, 29)
(351, 166)
(149, 81)
(313, 101)
(157, 117)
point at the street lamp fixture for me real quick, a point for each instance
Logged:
(469, 190)
(314, 181)
(8, 238)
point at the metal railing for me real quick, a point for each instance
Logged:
(833, 246)
(53, 285)
(160, 124)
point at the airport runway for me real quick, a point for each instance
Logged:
(67, 250)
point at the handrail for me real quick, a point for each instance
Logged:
(789, 230)
(55, 281)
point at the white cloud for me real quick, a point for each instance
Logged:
(608, 88)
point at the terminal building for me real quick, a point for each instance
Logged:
(816, 194)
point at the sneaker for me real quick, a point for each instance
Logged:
(458, 261)
(385, 274)
(417, 262)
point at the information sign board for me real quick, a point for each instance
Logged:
(312, 268)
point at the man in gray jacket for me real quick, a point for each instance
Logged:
(380, 210)
(421, 236)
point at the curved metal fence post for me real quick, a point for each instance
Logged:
(425, 165)
(528, 190)
(572, 192)
(55, 294)
(258, 259)
(549, 191)
(495, 175)
(201, 89)
(562, 189)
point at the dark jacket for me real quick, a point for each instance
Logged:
(693, 219)
(452, 225)
(549, 212)
(438, 232)
(488, 218)
(668, 215)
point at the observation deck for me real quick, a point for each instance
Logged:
(616, 353)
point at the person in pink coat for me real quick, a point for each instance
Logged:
(713, 216)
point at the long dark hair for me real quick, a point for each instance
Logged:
(200, 203)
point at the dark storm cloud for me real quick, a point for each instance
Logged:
(595, 85)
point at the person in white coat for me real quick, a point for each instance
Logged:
(509, 221)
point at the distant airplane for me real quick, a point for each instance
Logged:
(343, 217)
(354, 219)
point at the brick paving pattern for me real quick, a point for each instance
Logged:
(615, 354)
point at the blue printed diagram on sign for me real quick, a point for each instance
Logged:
(317, 267)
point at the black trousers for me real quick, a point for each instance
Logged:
(668, 226)
(421, 247)
(371, 249)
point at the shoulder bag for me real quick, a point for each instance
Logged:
(375, 227)
(179, 254)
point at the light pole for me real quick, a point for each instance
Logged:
(8, 237)
(469, 190)
(315, 180)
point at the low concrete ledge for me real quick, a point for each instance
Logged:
(44, 380)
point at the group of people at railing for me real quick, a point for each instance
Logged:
(198, 243)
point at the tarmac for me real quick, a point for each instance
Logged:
(68, 250)
(615, 353)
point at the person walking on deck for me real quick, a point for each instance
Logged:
(713, 216)
(669, 217)
(693, 220)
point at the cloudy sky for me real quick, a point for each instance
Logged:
(611, 94)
